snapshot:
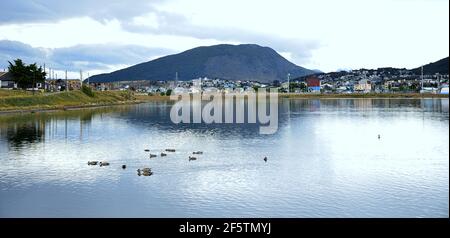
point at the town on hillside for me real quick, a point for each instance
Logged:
(362, 81)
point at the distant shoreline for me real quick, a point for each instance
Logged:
(76, 104)
(363, 96)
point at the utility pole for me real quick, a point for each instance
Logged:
(289, 82)
(421, 87)
(34, 81)
(81, 77)
(439, 80)
(67, 84)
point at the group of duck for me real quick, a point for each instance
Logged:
(146, 171)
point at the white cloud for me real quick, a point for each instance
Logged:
(96, 58)
(24, 11)
(322, 34)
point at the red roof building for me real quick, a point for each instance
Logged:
(313, 82)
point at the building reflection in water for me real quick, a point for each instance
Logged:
(18, 131)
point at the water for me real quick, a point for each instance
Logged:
(325, 161)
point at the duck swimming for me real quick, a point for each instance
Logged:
(145, 172)
(197, 152)
(153, 156)
(92, 162)
(124, 166)
(170, 150)
(265, 159)
(163, 154)
(104, 163)
(192, 158)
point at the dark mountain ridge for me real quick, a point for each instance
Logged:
(232, 62)
(440, 66)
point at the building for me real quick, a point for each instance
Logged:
(74, 84)
(6, 81)
(444, 90)
(363, 86)
(60, 84)
(313, 84)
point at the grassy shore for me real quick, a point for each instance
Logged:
(17, 100)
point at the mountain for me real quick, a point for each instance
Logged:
(440, 67)
(233, 62)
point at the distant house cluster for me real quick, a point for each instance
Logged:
(383, 80)
(352, 82)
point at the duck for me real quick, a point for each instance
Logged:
(163, 154)
(265, 159)
(124, 166)
(379, 136)
(104, 163)
(147, 150)
(170, 150)
(92, 162)
(145, 172)
(197, 152)
(153, 156)
(192, 158)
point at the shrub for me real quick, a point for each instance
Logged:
(127, 95)
(87, 90)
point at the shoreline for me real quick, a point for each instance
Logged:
(146, 99)
(65, 108)
(365, 96)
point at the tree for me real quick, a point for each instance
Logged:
(26, 75)
(303, 87)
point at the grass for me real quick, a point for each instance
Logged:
(20, 100)
(155, 97)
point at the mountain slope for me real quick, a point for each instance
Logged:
(440, 67)
(234, 62)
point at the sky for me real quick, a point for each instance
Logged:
(98, 36)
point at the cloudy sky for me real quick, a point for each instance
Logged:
(105, 35)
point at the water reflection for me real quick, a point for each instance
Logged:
(324, 161)
(22, 130)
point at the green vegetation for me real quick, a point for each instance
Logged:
(26, 76)
(20, 100)
(88, 91)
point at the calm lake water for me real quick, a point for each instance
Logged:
(325, 161)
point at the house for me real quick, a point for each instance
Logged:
(6, 81)
(180, 90)
(363, 86)
(74, 84)
(313, 84)
(60, 84)
(444, 90)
